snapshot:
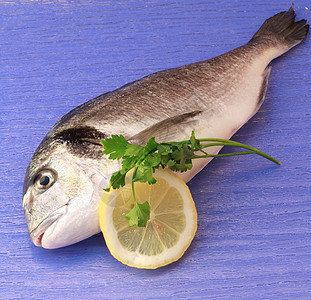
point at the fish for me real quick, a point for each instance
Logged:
(68, 172)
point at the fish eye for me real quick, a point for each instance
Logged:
(44, 180)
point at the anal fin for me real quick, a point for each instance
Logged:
(263, 88)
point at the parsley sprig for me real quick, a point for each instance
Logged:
(177, 156)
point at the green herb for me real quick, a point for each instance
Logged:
(177, 156)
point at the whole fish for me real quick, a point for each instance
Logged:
(66, 176)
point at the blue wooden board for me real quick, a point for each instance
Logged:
(254, 218)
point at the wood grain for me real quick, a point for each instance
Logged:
(254, 230)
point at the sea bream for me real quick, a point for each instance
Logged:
(66, 176)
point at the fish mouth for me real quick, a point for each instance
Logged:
(37, 234)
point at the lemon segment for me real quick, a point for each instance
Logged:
(168, 232)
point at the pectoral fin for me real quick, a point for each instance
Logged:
(168, 129)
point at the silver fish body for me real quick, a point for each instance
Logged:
(68, 172)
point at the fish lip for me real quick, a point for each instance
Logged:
(37, 234)
(37, 240)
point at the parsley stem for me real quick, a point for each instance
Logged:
(224, 154)
(223, 142)
(140, 213)
(133, 190)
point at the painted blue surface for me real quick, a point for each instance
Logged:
(254, 228)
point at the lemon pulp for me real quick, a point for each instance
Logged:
(168, 232)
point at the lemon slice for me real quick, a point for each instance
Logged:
(169, 231)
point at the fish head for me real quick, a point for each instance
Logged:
(62, 191)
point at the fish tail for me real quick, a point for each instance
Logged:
(281, 31)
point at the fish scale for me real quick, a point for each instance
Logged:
(68, 172)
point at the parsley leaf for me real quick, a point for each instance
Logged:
(144, 174)
(150, 146)
(133, 151)
(116, 146)
(139, 215)
(177, 156)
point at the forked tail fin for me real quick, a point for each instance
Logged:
(282, 30)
